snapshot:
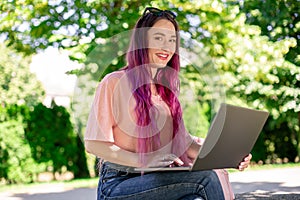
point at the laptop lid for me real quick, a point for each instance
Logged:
(230, 138)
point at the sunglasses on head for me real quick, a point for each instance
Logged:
(158, 12)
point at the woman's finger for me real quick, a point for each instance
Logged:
(245, 163)
(178, 162)
(173, 159)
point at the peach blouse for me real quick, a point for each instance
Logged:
(112, 117)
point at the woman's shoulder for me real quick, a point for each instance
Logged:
(113, 77)
(115, 81)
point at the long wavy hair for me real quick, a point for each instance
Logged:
(167, 86)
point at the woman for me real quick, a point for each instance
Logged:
(136, 121)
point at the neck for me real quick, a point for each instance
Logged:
(153, 89)
(153, 72)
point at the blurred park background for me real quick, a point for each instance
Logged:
(47, 46)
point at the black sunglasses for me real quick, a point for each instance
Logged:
(159, 12)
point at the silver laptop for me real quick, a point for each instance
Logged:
(231, 137)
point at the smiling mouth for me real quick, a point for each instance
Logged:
(162, 56)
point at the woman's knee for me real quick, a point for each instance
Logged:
(210, 177)
(210, 185)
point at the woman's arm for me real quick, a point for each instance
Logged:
(193, 149)
(112, 153)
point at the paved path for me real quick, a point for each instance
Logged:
(262, 184)
(267, 184)
(275, 180)
(65, 194)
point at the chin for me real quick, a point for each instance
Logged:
(161, 65)
(158, 65)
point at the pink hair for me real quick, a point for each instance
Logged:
(167, 85)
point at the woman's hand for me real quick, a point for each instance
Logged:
(164, 160)
(245, 163)
(198, 140)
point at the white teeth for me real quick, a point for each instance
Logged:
(162, 55)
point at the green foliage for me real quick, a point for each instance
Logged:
(278, 24)
(51, 137)
(36, 141)
(253, 70)
(17, 164)
(282, 21)
(33, 25)
(258, 71)
(17, 84)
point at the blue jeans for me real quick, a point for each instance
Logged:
(116, 183)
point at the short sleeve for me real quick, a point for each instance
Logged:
(101, 120)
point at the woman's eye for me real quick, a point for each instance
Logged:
(173, 40)
(158, 38)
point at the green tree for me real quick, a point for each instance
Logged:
(17, 83)
(34, 24)
(278, 23)
(282, 21)
(52, 139)
(255, 70)
(16, 164)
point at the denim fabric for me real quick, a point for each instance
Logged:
(116, 184)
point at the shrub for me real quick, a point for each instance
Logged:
(52, 138)
(16, 164)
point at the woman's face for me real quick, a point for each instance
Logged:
(162, 43)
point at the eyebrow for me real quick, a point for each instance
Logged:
(162, 34)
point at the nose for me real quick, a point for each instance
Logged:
(167, 46)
